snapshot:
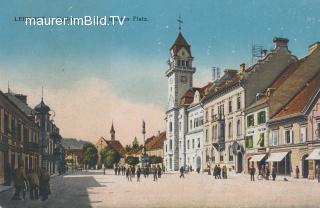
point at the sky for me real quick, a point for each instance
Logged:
(95, 75)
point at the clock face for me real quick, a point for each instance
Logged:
(183, 79)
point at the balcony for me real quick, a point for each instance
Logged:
(217, 117)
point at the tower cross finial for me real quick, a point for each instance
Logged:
(180, 22)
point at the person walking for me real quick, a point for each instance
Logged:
(274, 172)
(138, 173)
(267, 172)
(252, 171)
(155, 175)
(33, 179)
(297, 172)
(159, 171)
(115, 169)
(119, 170)
(130, 173)
(18, 178)
(215, 172)
(181, 172)
(133, 171)
(219, 172)
(224, 172)
(44, 184)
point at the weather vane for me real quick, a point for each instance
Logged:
(180, 22)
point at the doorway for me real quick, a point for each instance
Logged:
(305, 166)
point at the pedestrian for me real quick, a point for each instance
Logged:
(219, 172)
(119, 170)
(274, 172)
(124, 170)
(19, 178)
(224, 172)
(33, 179)
(133, 171)
(44, 184)
(267, 172)
(318, 173)
(159, 171)
(181, 172)
(215, 171)
(115, 169)
(198, 170)
(297, 172)
(130, 173)
(252, 171)
(138, 173)
(209, 169)
(147, 171)
(155, 175)
(127, 173)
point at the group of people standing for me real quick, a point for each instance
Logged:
(36, 182)
(217, 172)
(264, 172)
(131, 171)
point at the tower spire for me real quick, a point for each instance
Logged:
(180, 22)
(112, 132)
(42, 93)
(8, 86)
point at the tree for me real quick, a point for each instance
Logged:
(90, 155)
(132, 160)
(135, 144)
(128, 148)
(109, 157)
(155, 159)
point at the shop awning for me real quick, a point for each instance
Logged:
(257, 158)
(277, 156)
(315, 155)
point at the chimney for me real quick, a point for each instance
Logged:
(242, 67)
(280, 42)
(314, 46)
(21, 97)
(264, 53)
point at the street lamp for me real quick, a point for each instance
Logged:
(144, 157)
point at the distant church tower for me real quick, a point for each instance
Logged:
(180, 78)
(113, 133)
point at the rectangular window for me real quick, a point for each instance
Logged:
(190, 124)
(261, 117)
(206, 118)
(318, 130)
(179, 63)
(261, 140)
(206, 135)
(288, 136)
(250, 121)
(274, 137)
(249, 142)
(188, 142)
(193, 144)
(238, 103)
(221, 156)
(230, 106)
(303, 134)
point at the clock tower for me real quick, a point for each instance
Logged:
(180, 78)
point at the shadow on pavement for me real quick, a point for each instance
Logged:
(65, 192)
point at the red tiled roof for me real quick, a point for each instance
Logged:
(179, 43)
(156, 142)
(188, 97)
(302, 99)
(117, 146)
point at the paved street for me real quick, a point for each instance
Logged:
(95, 190)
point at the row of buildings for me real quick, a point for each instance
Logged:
(264, 114)
(28, 136)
